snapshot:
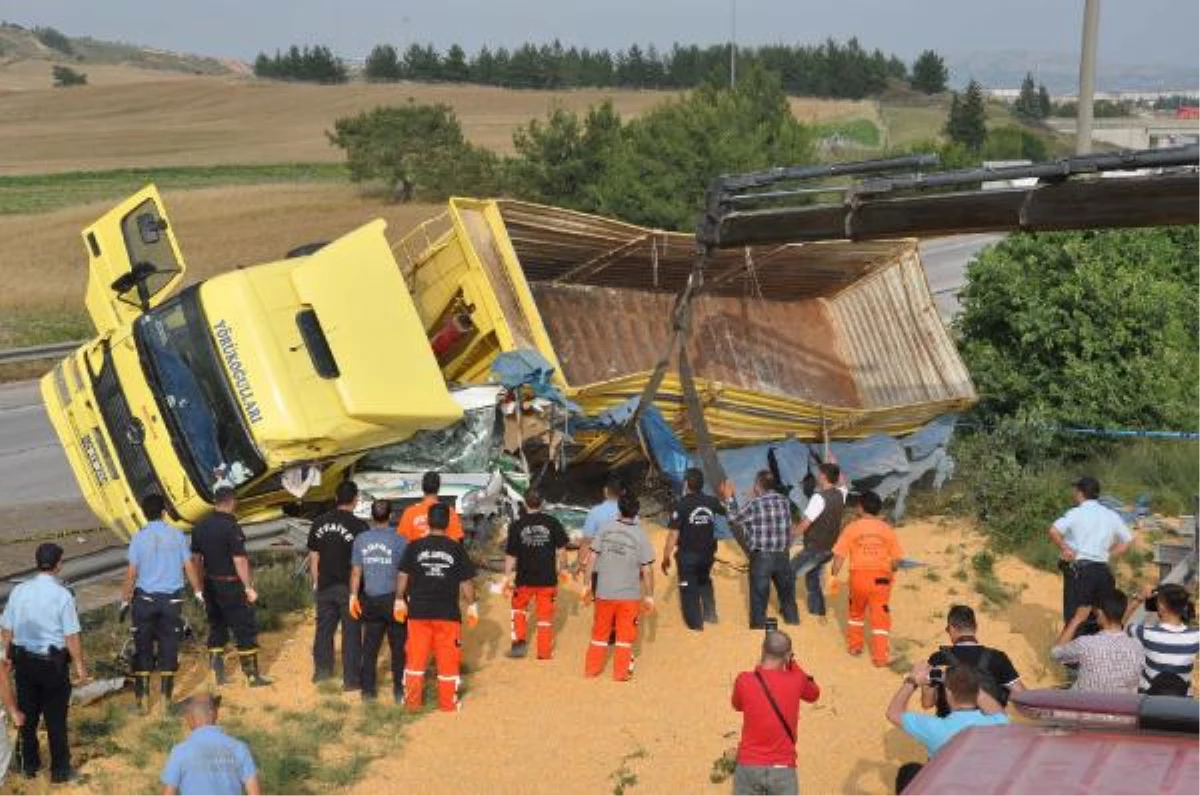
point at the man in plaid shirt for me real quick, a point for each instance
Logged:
(767, 520)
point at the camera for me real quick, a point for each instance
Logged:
(772, 624)
(937, 676)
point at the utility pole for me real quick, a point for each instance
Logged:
(732, 44)
(1087, 78)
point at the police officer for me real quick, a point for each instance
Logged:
(158, 560)
(330, 543)
(40, 631)
(219, 553)
(1087, 536)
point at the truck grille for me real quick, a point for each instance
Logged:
(135, 465)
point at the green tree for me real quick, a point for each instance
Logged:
(1093, 329)
(65, 76)
(383, 64)
(415, 151)
(666, 157)
(1027, 105)
(966, 123)
(1044, 103)
(929, 73)
(455, 68)
(561, 159)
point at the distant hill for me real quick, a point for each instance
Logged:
(20, 44)
(1060, 72)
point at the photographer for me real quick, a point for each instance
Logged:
(1170, 645)
(769, 700)
(969, 706)
(993, 668)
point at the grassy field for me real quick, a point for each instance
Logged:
(40, 193)
(45, 265)
(195, 120)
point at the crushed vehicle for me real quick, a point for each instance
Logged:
(269, 379)
(1077, 742)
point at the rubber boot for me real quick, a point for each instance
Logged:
(216, 662)
(167, 685)
(141, 690)
(250, 669)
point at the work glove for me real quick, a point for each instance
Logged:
(355, 607)
(473, 615)
(647, 605)
(507, 589)
(400, 610)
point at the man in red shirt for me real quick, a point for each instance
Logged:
(769, 700)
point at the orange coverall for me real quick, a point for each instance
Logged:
(623, 615)
(442, 638)
(414, 522)
(545, 597)
(870, 546)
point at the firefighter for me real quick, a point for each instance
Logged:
(435, 574)
(870, 545)
(537, 552)
(154, 581)
(414, 522)
(219, 554)
(622, 560)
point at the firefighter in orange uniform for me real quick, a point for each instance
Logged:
(414, 522)
(622, 560)
(870, 545)
(435, 574)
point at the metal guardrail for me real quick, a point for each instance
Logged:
(35, 352)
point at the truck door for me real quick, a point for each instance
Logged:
(134, 262)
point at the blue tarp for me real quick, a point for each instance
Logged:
(529, 368)
(886, 465)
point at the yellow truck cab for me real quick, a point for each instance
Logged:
(273, 379)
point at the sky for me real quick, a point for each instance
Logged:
(1131, 31)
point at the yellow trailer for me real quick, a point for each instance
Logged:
(783, 339)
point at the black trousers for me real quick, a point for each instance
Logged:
(157, 629)
(227, 610)
(696, 596)
(1084, 583)
(43, 692)
(378, 623)
(333, 609)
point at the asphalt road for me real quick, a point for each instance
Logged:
(38, 491)
(945, 261)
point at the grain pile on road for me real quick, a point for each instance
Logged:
(663, 731)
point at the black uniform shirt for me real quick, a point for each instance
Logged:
(695, 517)
(218, 538)
(435, 566)
(332, 536)
(534, 540)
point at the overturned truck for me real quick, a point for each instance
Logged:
(785, 339)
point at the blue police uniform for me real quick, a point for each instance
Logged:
(158, 553)
(40, 614)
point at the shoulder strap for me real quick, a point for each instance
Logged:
(775, 707)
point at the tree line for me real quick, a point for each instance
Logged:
(306, 64)
(830, 69)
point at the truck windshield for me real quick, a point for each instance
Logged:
(194, 396)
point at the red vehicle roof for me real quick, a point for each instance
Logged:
(1091, 745)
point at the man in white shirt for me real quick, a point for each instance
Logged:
(820, 528)
(1088, 536)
